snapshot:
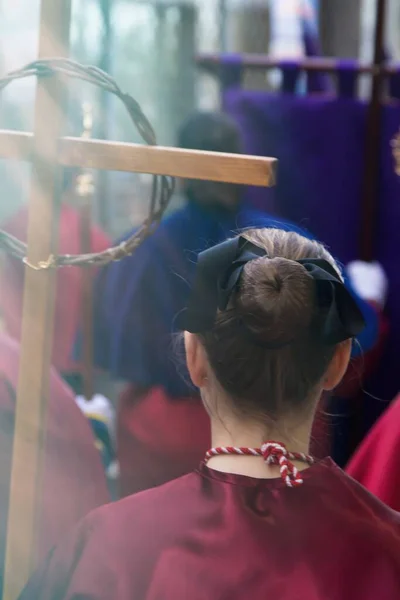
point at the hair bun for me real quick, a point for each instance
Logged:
(276, 299)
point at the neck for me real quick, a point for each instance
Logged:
(245, 433)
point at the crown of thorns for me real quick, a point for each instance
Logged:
(162, 186)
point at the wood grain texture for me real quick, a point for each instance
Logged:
(38, 307)
(188, 164)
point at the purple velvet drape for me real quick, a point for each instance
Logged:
(318, 140)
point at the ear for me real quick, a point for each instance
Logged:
(195, 359)
(338, 366)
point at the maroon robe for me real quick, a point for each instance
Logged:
(216, 536)
(73, 481)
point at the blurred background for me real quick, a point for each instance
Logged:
(149, 47)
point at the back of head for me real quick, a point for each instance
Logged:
(261, 349)
(211, 132)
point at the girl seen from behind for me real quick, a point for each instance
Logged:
(268, 328)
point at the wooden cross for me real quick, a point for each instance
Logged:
(46, 151)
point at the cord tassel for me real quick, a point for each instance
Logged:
(274, 453)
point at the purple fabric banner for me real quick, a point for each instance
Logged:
(319, 143)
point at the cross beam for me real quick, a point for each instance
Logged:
(46, 151)
(156, 160)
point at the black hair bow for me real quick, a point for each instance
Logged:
(218, 274)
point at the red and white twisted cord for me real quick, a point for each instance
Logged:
(274, 453)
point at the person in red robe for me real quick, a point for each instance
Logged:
(376, 462)
(74, 482)
(268, 327)
(69, 289)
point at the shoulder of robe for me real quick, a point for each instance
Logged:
(110, 542)
(86, 557)
(139, 512)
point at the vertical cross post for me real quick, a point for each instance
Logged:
(25, 489)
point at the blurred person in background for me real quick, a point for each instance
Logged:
(69, 286)
(74, 482)
(68, 307)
